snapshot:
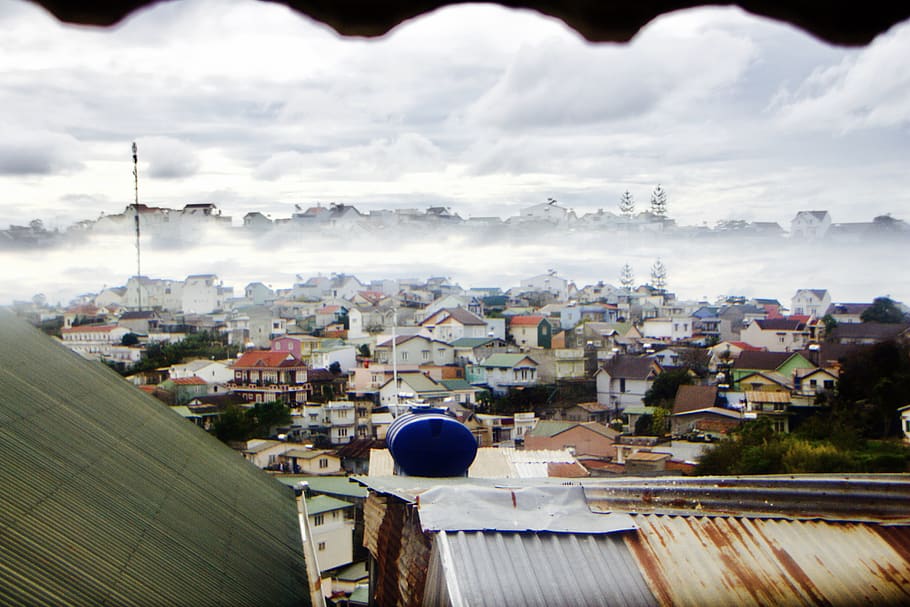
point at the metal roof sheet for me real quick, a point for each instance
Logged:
(323, 503)
(106, 496)
(329, 485)
(560, 509)
(689, 560)
(535, 569)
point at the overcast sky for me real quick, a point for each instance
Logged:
(250, 106)
(484, 109)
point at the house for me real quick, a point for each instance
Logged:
(579, 438)
(905, 422)
(810, 225)
(415, 350)
(561, 363)
(773, 404)
(94, 342)
(331, 522)
(263, 376)
(142, 322)
(868, 333)
(777, 335)
(847, 313)
(301, 346)
(258, 294)
(672, 329)
(501, 372)
(413, 384)
(180, 391)
(810, 302)
(550, 283)
(342, 421)
(697, 408)
(530, 331)
(204, 294)
(309, 461)
(624, 379)
(784, 364)
(471, 349)
(586, 412)
(770, 381)
(462, 391)
(212, 371)
(450, 324)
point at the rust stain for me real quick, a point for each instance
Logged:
(514, 500)
(650, 567)
(796, 573)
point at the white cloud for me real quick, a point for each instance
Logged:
(38, 152)
(168, 158)
(866, 90)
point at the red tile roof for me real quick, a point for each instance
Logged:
(744, 346)
(267, 359)
(189, 381)
(90, 329)
(531, 321)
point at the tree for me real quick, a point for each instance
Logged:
(663, 391)
(335, 368)
(830, 323)
(627, 204)
(659, 202)
(659, 276)
(626, 277)
(883, 309)
(364, 350)
(130, 339)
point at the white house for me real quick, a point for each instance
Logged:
(624, 380)
(342, 419)
(905, 422)
(212, 371)
(449, 324)
(153, 293)
(416, 350)
(344, 354)
(550, 212)
(331, 523)
(810, 225)
(203, 294)
(810, 302)
(676, 328)
(550, 283)
(776, 334)
(95, 342)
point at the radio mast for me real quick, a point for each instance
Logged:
(136, 217)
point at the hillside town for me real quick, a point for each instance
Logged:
(553, 379)
(345, 220)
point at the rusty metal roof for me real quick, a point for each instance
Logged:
(697, 561)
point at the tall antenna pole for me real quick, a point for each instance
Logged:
(136, 216)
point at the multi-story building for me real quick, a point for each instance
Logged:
(264, 376)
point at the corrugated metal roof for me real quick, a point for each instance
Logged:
(329, 485)
(537, 569)
(106, 496)
(323, 503)
(689, 560)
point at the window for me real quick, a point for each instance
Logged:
(622, 384)
(829, 384)
(404, 356)
(321, 546)
(342, 432)
(323, 462)
(318, 520)
(425, 354)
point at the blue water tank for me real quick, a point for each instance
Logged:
(426, 442)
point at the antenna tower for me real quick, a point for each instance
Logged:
(136, 217)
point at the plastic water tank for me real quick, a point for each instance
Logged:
(426, 442)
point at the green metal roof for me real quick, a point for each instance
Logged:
(551, 427)
(472, 342)
(323, 503)
(108, 497)
(328, 485)
(504, 360)
(459, 384)
(355, 572)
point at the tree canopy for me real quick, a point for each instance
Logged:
(663, 391)
(884, 310)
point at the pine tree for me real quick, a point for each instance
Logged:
(659, 276)
(659, 202)
(626, 277)
(627, 204)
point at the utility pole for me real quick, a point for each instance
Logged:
(136, 217)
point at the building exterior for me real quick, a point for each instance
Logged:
(95, 342)
(531, 331)
(504, 371)
(580, 438)
(263, 376)
(810, 225)
(342, 422)
(204, 294)
(548, 283)
(450, 324)
(675, 328)
(777, 335)
(624, 379)
(810, 302)
(332, 524)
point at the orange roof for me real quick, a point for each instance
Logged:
(265, 358)
(189, 381)
(147, 388)
(89, 329)
(744, 346)
(526, 320)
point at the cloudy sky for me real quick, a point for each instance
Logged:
(253, 107)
